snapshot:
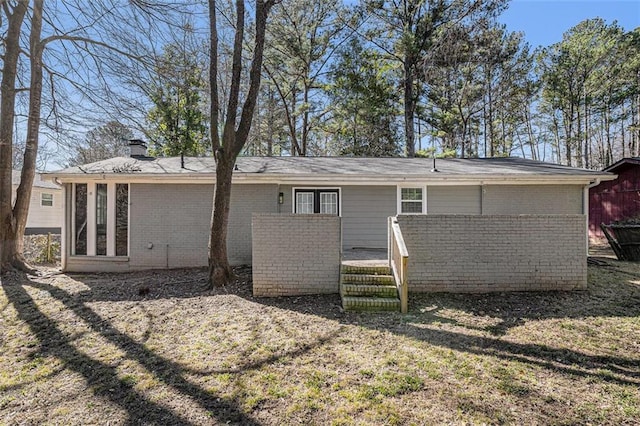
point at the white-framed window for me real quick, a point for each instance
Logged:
(46, 200)
(100, 219)
(305, 202)
(329, 203)
(316, 201)
(412, 200)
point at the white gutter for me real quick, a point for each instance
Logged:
(597, 182)
(334, 179)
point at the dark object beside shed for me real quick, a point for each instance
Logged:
(624, 240)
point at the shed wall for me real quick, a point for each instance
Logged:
(614, 200)
(495, 253)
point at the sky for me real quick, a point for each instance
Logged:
(544, 21)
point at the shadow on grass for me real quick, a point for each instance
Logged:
(103, 380)
(617, 297)
(143, 285)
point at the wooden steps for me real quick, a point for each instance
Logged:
(368, 288)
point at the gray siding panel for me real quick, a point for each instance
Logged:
(174, 220)
(364, 213)
(454, 199)
(532, 199)
(246, 200)
(365, 210)
(169, 225)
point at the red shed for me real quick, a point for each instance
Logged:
(616, 199)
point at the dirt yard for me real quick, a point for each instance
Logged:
(156, 348)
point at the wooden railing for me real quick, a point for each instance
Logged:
(398, 260)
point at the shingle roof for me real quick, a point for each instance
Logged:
(38, 182)
(344, 166)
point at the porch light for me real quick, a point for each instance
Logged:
(281, 198)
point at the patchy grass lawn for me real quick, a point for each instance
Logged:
(155, 348)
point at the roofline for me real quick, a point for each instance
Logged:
(630, 160)
(343, 179)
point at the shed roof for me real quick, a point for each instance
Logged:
(38, 182)
(347, 168)
(625, 162)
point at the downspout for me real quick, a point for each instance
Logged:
(64, 226)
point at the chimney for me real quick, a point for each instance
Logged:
(137, 148)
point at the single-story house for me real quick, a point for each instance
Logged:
(468, 224)
(615, 200)
(45, 206)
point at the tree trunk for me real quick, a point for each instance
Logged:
(9, 244)
(587, 145)
(305, 119)
(492, 139)
(233, 139)
(220, 271)
(23, 194)
(409, 107)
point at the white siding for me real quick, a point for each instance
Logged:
(43, 216)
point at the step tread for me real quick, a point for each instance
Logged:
(377, 290)
(378, 286)
(367, 279)
(354, 303)
(372, 299)
(368, 275)
(351, 269)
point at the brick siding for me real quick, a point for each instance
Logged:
(295, 254)
(450, 253)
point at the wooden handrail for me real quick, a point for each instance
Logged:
(398, 261)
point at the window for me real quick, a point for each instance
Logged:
(80, 222)
(100, 221)
(122, 219)
(46, 200)
(329, 203)
(323, 201)
(411, 200)
(304, 202)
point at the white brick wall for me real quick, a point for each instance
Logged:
(495, 253)
(295, 254)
